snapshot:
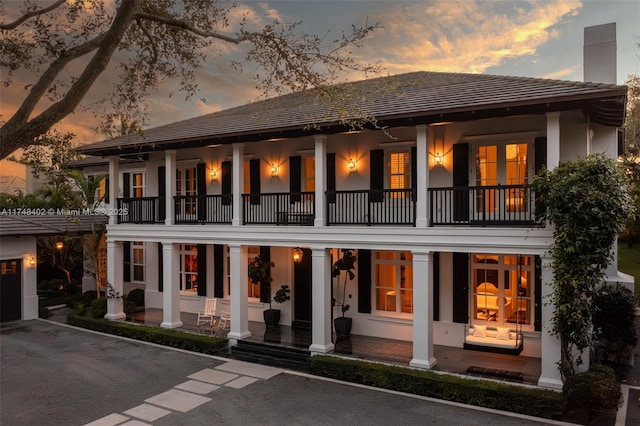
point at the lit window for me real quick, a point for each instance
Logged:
(137, 185)
(502, 289)
(189, 268)
(393, 278)
(137, 255)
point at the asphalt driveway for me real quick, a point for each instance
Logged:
(57, 375)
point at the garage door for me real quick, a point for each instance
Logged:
(10, 290)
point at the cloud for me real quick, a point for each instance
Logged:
(463, 36)
(564, 72)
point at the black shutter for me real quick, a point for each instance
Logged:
(126, 185)
(202, 269)
(414, 174)
(126, 261)
(162, 193)
(461, 182)
(376, 175)
(295, 178)
(106, 189)
(201, 181)
(254, 180)
(160, 268)
(436, 286)
(460, 288)
(364, 281)
(331, 177)
(265, 290)
(226, 183)
(537, 294)
(218, 271)
(540, 161)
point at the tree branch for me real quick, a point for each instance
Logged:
(151, 41)
(38, 90)
(188, 27)
(13, 25)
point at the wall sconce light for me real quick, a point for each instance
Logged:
(439, 159)
(274, 170)
(59, 245)
(213, 174)
(31, 261)
(297, 255)
(352, 165)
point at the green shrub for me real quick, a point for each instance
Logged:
(594, 390)
(89, 296)
(136, 296)
(43, 285)
(78, 308)
(57, 285)
(161, 336)
(519, 399)
(44, 313)
(614, 310)
(98, 308)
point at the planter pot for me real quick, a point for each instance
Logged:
(343, 327)
(271, 317)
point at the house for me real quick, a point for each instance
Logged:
(434, 201)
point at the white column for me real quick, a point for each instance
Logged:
(114, 186)
(550, 344)
(239, 293)
(170, 185)
(29, 280)
(115, 261)
(321, 296)
(422, 184)
(237, 184)
(553, 140)
(423, 311)
(321, 179)
(171, 285)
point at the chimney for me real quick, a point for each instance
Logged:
(600, 54)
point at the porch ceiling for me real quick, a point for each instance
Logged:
(413, 98)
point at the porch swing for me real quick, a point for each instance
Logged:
(497, 339)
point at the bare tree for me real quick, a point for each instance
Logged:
(67, 45)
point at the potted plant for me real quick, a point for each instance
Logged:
(259, 273)
(345, 264)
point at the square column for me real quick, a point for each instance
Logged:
(171, 288)
(115, 262)
(239, 293)
(237, 181)
(422, 184)
(550, 344)
(553, 140)
(422, 311)
(321, 296)
(170, 186)
(114, 186)
(321, 179)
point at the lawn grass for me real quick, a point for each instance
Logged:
(629, 262)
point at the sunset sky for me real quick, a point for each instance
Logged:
(521, 38)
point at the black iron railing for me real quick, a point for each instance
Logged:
(295, 208)
(371, 207)
(141, 210)
(203, 209)
(482, 205)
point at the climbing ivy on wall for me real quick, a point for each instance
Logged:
(588, 203)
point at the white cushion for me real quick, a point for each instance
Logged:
(480, 331)
(503, 333)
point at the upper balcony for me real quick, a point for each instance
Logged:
(501, 205)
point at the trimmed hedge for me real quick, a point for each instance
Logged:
(518, 399)
(161, 336)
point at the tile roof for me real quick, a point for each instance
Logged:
(15, 225)
(429, 96)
